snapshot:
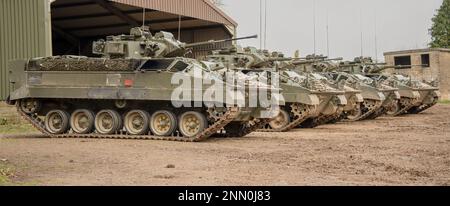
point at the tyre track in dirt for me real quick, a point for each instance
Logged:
(408, 150)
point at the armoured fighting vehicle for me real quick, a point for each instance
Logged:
(353, 96)
(374, 96)
(333, 99)
(308, 100)
(416, 96)
(129, 93)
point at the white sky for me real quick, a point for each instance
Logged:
(401, 24)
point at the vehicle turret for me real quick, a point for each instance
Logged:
(140, 43)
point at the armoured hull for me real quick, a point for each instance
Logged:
(96, 97)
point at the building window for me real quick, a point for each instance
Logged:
(403, 61)
(425, 60)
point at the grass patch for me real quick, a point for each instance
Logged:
(6, 174)
(8, 177)
(11, 122)
(444, 101)
(16, 129)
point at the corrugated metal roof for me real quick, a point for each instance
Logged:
(201, 9)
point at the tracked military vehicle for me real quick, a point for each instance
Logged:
(332, 100)
(373, 97)
(129, 93)
(299, 102)
(297, 89)
(416, 96)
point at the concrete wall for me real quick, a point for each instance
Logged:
(438, 70)
(445, 74)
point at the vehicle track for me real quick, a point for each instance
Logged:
(227, 117)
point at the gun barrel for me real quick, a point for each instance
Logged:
(313, 58)
(280, 59)
(335, 59)
(219, 41)
(303, 62)
(347, 65)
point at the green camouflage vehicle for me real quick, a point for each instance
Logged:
(333, 99)
(300, 92)
(416, 96)
(373, 95)
(353, 96)
(130, 92)
(300, 103)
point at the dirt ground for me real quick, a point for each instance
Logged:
(409, 150)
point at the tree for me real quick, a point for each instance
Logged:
(440, 31)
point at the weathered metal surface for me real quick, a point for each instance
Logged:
(202, 9)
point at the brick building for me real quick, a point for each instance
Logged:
(427, 64)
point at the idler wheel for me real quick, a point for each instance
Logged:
(108, 122)
(192, 123)
(30, 106)
(163, 123)
(82, 121)
(57, 122)
(137, 122)
(282, 120)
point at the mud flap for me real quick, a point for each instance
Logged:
(341, 100)
(397, 95)
(381, 96)
(437, 94)
(359, 98)
(9, 101)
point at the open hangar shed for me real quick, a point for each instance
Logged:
(67, 27)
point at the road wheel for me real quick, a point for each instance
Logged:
(393, 110)
(82, 121)
(355, 113)
(137, 122)
(163, 123)
(30, 106)
(108, 122)
(192, 124)
(57, 122)
(282, 120)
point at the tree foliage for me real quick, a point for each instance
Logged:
(440, 31)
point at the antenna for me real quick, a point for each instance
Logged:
(314, 23)
(143, 17)
(361, 29)
(328, 38)
(260, 23)
(265, 24)
(376, 38)
(179, 27)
